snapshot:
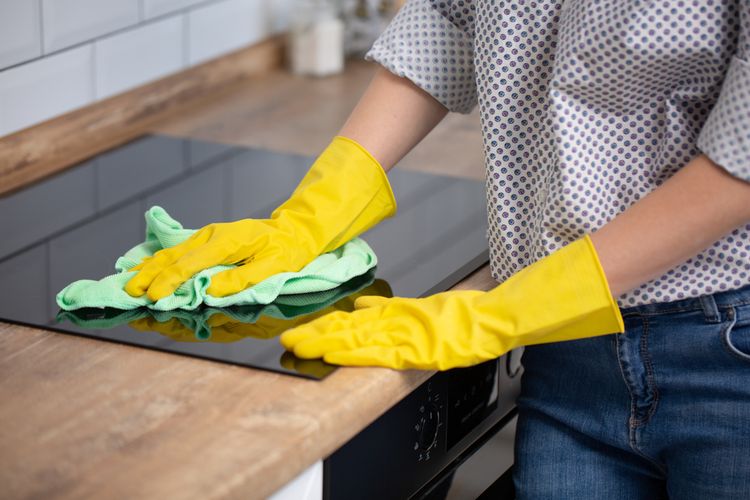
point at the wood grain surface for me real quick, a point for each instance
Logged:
(82, 418)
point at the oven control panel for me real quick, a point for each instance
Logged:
(429, 423)
(411, 443)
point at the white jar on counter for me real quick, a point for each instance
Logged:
(316, 38)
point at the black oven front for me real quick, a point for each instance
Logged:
(413, 450)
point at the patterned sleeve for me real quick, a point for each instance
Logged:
(430, 42)
(725, 137)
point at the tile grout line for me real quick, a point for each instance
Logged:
(41, 32)
(172, 14)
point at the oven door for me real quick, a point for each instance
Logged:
(450, 438)
(484, 471)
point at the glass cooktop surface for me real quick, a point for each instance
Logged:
(75, 224)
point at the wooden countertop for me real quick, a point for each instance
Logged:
(81, 418)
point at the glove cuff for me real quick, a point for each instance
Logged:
(614, 317)
(385, 192)
(564, 296)
(345, 193)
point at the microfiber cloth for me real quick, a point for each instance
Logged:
(326, 272)
(283, 308)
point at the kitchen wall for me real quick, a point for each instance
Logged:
(59, 55)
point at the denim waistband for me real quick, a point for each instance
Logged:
(709, 304)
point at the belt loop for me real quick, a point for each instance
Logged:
(710, 309)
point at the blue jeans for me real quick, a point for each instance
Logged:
(661, 411)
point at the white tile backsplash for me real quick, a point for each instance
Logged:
(20, 31)
(44, 88)
(58, 55)
(137, 56)
(153, 8)
(68, 22)
(224, 26)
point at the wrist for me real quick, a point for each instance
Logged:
(345, 193)
(361, 157)
(560, 297)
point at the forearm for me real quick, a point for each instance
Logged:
(697, 206)
(392, 117)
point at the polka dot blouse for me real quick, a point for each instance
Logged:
(587, 106)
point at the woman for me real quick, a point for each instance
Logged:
(617, 150)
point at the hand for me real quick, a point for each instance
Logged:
(261, 248)
(345, 193)
(430, 333)
(312, 367)
(561, 297)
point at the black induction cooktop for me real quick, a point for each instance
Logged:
(75, 224)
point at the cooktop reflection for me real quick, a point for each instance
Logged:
(74, 225)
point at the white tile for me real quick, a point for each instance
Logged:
(137, 56)
(225, 26)
(44, 88)
(20, 32)
(153, 8)
(68, 22)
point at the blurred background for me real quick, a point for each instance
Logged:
(59, 55)
(80, 76)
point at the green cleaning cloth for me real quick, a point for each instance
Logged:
(285, 307)
(326, 272)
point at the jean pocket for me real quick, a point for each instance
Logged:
(736, 336)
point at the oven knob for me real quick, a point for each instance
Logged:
(427, 427)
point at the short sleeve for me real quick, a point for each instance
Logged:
(431, 44)
(725, 137)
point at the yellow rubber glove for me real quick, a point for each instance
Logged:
(564, 296)
(345, 193)
(314, 367)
